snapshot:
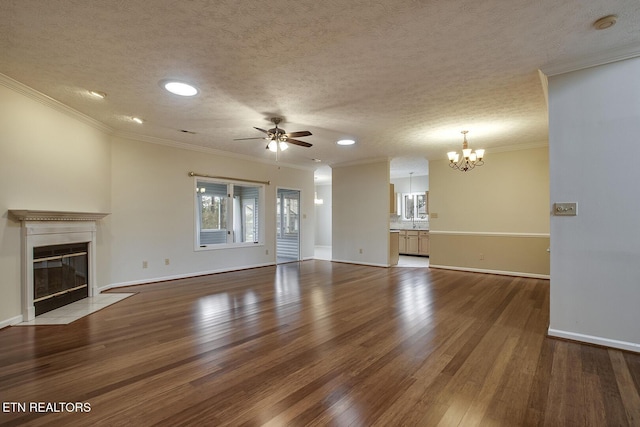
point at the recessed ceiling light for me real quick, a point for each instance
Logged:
(346, 142)
(97, 94)
(179, 88)
(137, 120)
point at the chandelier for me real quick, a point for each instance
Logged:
(469, 158)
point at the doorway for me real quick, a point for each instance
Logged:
(287, 225)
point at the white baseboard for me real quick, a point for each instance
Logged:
(11, 321)
(605, 342)
(498, 272)
(360, 263)
(180, 276)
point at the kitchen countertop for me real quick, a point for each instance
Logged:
(397, 230)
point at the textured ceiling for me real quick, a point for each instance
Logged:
(402, 78)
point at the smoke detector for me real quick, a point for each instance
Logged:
(605, 22)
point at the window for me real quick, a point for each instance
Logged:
(413, 205)
(227, 213)
(287, 211)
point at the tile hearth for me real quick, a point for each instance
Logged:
(74, 311)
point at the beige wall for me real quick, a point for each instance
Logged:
(499, 212)
(53, 158)
(48, 161)
(153, 211)
(360, 210)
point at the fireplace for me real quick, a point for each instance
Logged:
(58, 258)
(60, 275)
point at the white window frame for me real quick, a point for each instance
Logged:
(229, 215)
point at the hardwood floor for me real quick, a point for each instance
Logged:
(319, 343)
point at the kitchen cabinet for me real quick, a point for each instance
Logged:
(402, 242)
(394, 253)
(413, 242)
(423, 243)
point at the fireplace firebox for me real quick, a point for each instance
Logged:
(60, 275)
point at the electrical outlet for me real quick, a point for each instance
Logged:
(145, 264)
(166, 261)
(481, 257)
(266, 252)
(433, 215)
(360, 250)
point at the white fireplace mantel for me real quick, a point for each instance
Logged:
(32, 215)
(44, 228)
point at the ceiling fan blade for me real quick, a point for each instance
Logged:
(298, 134)
(296, 142)
(261, 130)
(244, 139)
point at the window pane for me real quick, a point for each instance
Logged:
(227, 213)
(212, 204)
(247, 228)
(291, 216)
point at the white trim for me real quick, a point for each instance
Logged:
(181, 276)
(372, 264)
(52, 103)
(544, 81)
(487, 271)
(510, 148)
(605, 57)
(606, 342)
(10, 321)
(361, 162)
(203, 149)
(488, 233)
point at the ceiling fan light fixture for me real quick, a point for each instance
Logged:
(179, 88)
(273, 147)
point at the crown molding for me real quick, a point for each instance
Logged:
(605, 57)
(507, 148)
(46, 100)
(206, 150)
(360, 162)
(52, 103)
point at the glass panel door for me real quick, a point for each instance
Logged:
(287, 226)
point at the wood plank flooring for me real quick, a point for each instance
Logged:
(319, 343)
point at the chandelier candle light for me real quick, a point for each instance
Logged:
(469, 158)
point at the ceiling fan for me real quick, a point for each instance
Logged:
(279, 138)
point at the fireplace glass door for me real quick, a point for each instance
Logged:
(60, 275)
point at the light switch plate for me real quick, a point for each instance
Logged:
(565, 209)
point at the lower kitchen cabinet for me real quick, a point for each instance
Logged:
(414, 242)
